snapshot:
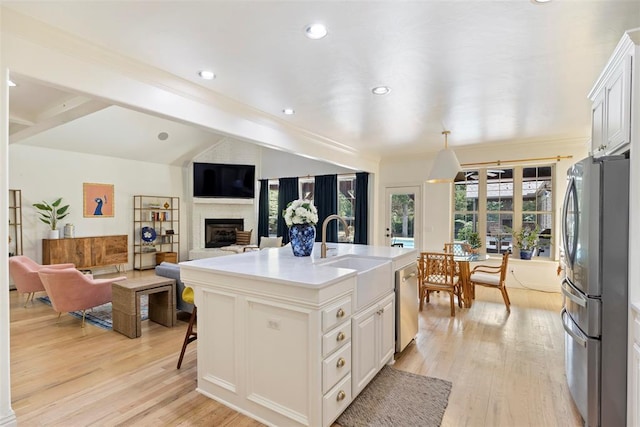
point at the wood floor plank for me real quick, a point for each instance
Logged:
(506, 369)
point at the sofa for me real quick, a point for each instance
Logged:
(172, 271)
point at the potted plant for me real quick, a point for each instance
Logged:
(527, 240)
(50, 214)
(473, 239)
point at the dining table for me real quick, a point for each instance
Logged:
(464, 262)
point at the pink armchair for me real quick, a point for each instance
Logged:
(70, 290)
(24, 272)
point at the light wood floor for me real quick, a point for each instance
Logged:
(506, 370)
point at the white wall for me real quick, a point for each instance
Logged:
(46, 174)
(279, 164)
(436, 224)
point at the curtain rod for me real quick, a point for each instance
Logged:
(313, 176)
(531, 159)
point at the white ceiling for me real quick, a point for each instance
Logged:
(489, 71)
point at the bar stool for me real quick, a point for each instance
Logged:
(187, 296)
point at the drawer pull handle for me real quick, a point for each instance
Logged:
(340, 313)
(340, 337)
(341, 395)
(340, 363)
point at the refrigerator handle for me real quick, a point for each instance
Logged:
(581, 341)
(577, 299)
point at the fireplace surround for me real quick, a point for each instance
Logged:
(220, 232)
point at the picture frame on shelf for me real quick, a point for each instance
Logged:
(98, 200)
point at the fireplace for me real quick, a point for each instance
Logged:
(221, 232)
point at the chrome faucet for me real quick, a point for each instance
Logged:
(323, 246)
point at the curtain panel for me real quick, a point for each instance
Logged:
(263, 210)
(287, 192)
(325, 197)
(361, 222)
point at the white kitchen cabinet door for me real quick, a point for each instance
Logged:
(634, 399)
(373, 337)
(618, 106)
(364, 365)
(598, 145)
(387, 333)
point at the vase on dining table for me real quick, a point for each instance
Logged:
(302, 237)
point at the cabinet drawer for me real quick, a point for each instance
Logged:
(335, 314)
(336, 338)
(334, 368)
(336, 401)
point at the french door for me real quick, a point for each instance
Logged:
(403, 217)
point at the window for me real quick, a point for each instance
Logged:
(537, 205)
(499, 202)
(347, 205)
(494, 201)
(274, 186)
(465, 215)
(307, 186)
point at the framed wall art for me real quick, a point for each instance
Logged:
(98, 200)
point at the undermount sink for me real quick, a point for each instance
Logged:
(374, 276)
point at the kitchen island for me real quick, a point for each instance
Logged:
(292, 340)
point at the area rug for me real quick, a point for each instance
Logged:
(397, 398)
(100, 316)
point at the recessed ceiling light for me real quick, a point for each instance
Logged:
(289, 111)
(315, 31)
(11, 84)
(381, 90)
(206, 74)
(540, 1)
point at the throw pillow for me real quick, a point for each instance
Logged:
(243, 237)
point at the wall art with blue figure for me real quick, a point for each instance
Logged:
(98, 200)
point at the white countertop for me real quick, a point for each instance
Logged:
(280, 265)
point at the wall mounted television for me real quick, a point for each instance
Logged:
(224, 180)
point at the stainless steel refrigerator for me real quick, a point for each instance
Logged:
(595, 231)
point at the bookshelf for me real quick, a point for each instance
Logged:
(156, 230)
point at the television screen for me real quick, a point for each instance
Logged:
(224, 180)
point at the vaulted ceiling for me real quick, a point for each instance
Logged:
(490, 71)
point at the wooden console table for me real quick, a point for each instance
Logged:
(126, 303)
(87, 252)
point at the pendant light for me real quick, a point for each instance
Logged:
(445, 166)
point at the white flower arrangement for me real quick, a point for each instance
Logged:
(301, 211)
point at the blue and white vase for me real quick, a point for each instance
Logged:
(302, 237)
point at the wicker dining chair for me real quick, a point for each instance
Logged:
(492, 277)
(436, 272)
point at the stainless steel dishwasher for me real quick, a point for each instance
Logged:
(406, 305)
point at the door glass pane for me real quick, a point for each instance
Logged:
(402, 219)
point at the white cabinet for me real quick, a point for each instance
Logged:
(373, 336)
(633, 402)
(611, 108)
(280, 354)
